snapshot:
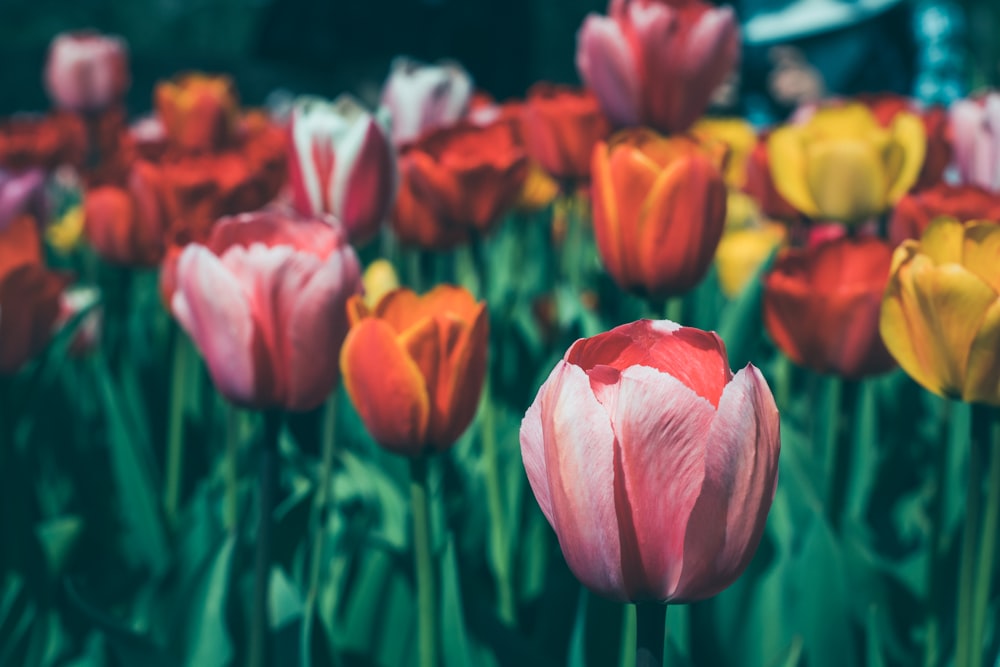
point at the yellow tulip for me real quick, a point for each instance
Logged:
(940, 315)
(842, 165)
(742, 251)
(538, 191)
(65, 233)
(378, 279)
(741, 210)
(738, 135)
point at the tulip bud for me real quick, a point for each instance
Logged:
(87, 71)
(821, 305)
(659, 208)
(340, 164)
(414, 366)
(264, 302)
(940, 316)
(200, 113)
(421, 98)
(653, 463)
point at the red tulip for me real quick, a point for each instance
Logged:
(915, 212)
(653, 463)
(561, 126)
(822, 302)
(760, 185)
(87, 71)
(42, 141)
(129, 225)
(199, 112)
(264, 301)
(657, 62)
(341, 163)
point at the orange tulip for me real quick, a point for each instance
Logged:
(414, 366)
(199, 112)
(659, 208)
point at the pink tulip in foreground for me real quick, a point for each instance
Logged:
(657, 62)
(421, 98)
(341, 163)
(264, 300)
(653, 463)
(975, 129)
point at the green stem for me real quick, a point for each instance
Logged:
(627, 651)
(835, 451)
(494, 499)
(783, 373)
(966, 577)
(987, 544)
(230, 516)
(423, 560)
(268, 491)
(936, 552)
(650, 634)
(175, 429)
(318, 522)
(674, 310)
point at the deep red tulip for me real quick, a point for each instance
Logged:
(653, 463)
(914, 212)
(129, 225)
(560, 127)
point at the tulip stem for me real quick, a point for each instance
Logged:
(268, 485)
(987, 544)
(318, 521)
(674, 309)
(175, 429)
(232, 466)
(966, 576)
(494, 497)
(936, 549)
(650, 634)
(423, 560)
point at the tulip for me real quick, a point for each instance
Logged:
(539, 190)
(656, 62)
(129, 225)
(421, 98)
(840, 164)
(21, 193)
(87, 71)
(200, 113)
(821, 305)
(759, 185)
(264, 302)
(738, 136)
(914, 212)
(378, 280)
(414, 366)
(653, 463)
(65, 234)
(941, 312)
(659, 208)
(741, 253)
(340, 164)
(457, 181)
(885, 107)
(561, 126)
(28, 142)
(975, 128)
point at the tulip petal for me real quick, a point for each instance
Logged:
(212, 307)
(367, 189)
(846, 179)
(607, 65)
(386, 387)
(981, 252)
(661, 430)
(909, 135)
(532, 436)
(786, 151)
(741, 474)
(943, 241)
(982, 375)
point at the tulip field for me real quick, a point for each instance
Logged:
(593, 377)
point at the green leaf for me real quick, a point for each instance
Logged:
(207, 640)
(454, 636)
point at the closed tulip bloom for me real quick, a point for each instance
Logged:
(264, 302)
(87, 71)
(21, 193)
(657, 62)
(414, 366)
(653, 463)
(914, 212)
(738, 136)
(741, 253)
(421, 98)
(456, 181)
(975, 128)
(935, 120)
(200, 113)
(840, 164)
(821, 305)
(378, 279)
(341, 163)
(128, 225)
(46, 142)
(561, 126)
(941, 313)
(659, 208)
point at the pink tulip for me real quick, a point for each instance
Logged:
(341, 164)
(657, 62)
(422, 97)
(20, 193)
(653, 463)
(87, 71)
(264, 300)
(975, 128)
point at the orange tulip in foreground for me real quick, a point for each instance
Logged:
(659, 208)
(653, 463)
(414, 366)
(941, 312)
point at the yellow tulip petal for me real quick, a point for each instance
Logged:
(739, 136)
(741, 252)
(982, 252)
(908, 133)
(854, 121)
(786, 148)
(846, 180)
(943, 240)
(982, 375)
